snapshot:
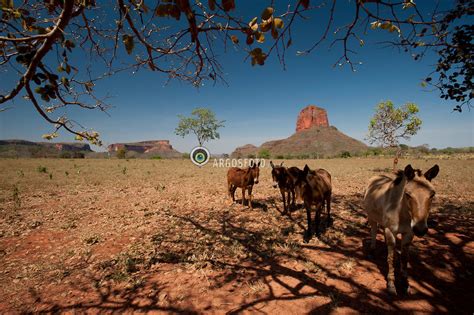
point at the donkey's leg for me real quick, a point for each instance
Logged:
(328, 207)
(250, 196)
(293, 204)
(232, 190)
(373, 238)
(243, 195)
(309, 231)
(229, 190)
(282, 191)
(390, 240)
(373, 234)
(406, 241)
(317, 216)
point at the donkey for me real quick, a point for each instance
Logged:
(399, 205)
(243, 178)
(285, 178)
(315, 188)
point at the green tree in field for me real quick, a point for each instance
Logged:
(264, 154)
(121, 153)
(391, 124)
(202, 123)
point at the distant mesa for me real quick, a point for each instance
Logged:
(312, 116)
(245, 150)
(313, 138)
(162, 148)
(23, 148)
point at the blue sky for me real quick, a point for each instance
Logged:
(262, 103)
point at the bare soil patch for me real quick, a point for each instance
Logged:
(161, 235)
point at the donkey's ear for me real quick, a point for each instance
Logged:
(281, 164)
(306, 169)
(409, 172)
(432, 172)
(259, 163)
(271, 164)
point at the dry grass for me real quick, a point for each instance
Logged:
(116, 222)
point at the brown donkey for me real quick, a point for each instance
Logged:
(285, 179)
(243, 178)
(315, 188)
(399, 205)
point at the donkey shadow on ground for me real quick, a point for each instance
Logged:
(439, 264)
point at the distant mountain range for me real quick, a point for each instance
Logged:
(30, 149)
(23, 148)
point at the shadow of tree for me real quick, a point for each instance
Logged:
(440, 264)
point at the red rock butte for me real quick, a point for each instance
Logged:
(311, 116)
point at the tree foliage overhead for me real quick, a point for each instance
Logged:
(42, 41)
(202, 123)
(390, 124)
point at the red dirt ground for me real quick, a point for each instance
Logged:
(132, 244)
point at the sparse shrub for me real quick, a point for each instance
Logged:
(303, 156)
(16, 197)
(65, 155)
(50, 175)
(42, 169)
(251, 156)
(185, 155)
(288, 156)
(124, 170)
(156, 157)
(78, 155)
(346, 154)
(264, 154)
(373, 151)
(121, 153)
(280, 157)
(91, 240)
(21, 173)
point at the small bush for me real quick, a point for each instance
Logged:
(42, 169)
(264, 154)
(65, 155)
(280, 157)
(156, 157)
(251, 156)
(346, 154)
(185, 155)
(121, 153)
(78, 155)
(303, 156)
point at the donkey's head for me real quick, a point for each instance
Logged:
(278, 174)
(254, 170)
(419, 193)
(301, 181)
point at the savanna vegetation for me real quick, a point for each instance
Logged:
(141, 235)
